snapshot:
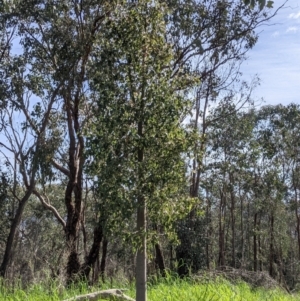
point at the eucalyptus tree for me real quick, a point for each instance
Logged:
(19, 149)
(279, 136)
(212, 37)
(137, 141)
(248, 188)
(229, 157)
(57, 39)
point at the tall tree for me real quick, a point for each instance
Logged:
(58, 39)
(137, 141)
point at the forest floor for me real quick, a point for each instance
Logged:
(175, 290)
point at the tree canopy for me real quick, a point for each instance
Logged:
(127, 131)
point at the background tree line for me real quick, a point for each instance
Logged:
(126, 128)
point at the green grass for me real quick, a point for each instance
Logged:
(213, 291)
(171, 289)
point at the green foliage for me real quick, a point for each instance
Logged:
(132, 75)
(261, 3)
(120, 77)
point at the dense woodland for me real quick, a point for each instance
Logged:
(131, 146)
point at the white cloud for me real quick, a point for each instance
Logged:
(275, 34)
(292, 29)
(294, 15)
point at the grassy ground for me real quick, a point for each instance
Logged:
(214, 291)
(170, 290)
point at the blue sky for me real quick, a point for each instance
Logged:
(276, 57)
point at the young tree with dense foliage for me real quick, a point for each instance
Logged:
(138, 139)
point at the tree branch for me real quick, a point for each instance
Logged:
(48, 206)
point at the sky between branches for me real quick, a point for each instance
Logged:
(276, 57)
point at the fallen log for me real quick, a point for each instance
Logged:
(111, 294)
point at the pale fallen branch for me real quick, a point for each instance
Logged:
(111, 294)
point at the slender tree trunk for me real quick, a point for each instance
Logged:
(141, 258)
(208, 234)
(232, 213)
(297, 217)
(242, 227)
(103, 259)
(259, 244)
(255, 243)
(172, 259)
(271, 255)
(13, 229)
(91, 259)
(248, 234)
(84, 235)
(72, 229)
(221, 260)
(96, 270)
(227, 240)
(159, 260)
(298, 233)
(73, 193)
(159, 257)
